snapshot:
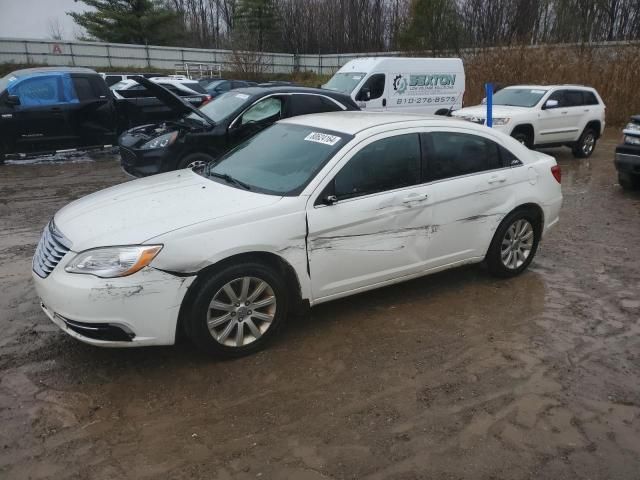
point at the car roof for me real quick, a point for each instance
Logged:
(549, 87)
(263, 91)
(353, 122)
(36, 70)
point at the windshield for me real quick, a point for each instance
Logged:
(518, 97)
(344, 82)
(281, 160)
(223, 106)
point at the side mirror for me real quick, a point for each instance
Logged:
(329, 200)
(550, 104)
(13, 100)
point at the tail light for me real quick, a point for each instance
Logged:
(557, 173)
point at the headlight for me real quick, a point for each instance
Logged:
(634, 127)
(499, 122)
(110, 262)
(631, 140)
(161, 141)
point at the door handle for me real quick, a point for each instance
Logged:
(565, 112)
(384, 102)
(497, 179)
(415, 198)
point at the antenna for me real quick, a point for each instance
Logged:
(453, 105)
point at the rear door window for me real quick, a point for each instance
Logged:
(452, 154)
(84, 89)
(305, 104)
(574, 98)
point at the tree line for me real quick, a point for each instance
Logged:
(351, 26)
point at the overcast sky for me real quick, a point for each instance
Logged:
(31, 18)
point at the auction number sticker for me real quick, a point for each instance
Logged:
(242, 96)
(322, 138)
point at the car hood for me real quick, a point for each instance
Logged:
(480, 111)
(136, 211)
(170, 99)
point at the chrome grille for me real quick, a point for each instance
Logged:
(51, 248)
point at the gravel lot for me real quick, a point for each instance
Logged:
(457, 375)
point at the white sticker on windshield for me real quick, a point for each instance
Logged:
(242, 96)
(357, 77)
(13, 79)
(322, 138)
(538, 91)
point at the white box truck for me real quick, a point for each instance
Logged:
(412, 85)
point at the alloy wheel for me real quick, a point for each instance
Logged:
(517, 244)
(241, 311)
(588, 144)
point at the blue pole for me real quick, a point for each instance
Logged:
(488, 89)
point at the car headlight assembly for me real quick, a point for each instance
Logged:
(633, 127)
(630, 140)
(161, 141)
(111, 262)
(499, 122)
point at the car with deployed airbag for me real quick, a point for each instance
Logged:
(311, 209)
(201, 135)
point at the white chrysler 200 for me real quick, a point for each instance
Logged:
(311, 209)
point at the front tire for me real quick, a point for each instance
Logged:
(514, 244)
(523, 136)
(628, 181)
(238, 310)
(194, 160)
(586, 144)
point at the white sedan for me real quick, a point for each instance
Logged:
(311, 209)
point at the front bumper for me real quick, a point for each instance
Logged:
(627, 159)
(138, 310)
(142, 163)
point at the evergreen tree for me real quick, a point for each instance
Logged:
(433, 25)
(257, 23)
(129, 21)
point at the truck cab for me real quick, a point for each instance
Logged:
(49, 109)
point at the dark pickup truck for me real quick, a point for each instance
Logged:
(44, 110)
(627, 159)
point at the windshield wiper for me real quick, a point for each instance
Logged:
(229, 179)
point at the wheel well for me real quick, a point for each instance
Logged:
(595, 125)
(535, 209)
(271, 259)
(526, 128)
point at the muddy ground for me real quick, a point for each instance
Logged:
(454, 376)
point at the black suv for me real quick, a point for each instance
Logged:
(627, 159)
(203, 134)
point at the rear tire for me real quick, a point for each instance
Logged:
(238, 310)
(586, 144)
(514, 244)
(194, 160)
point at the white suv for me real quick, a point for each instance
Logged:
(546, 116)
